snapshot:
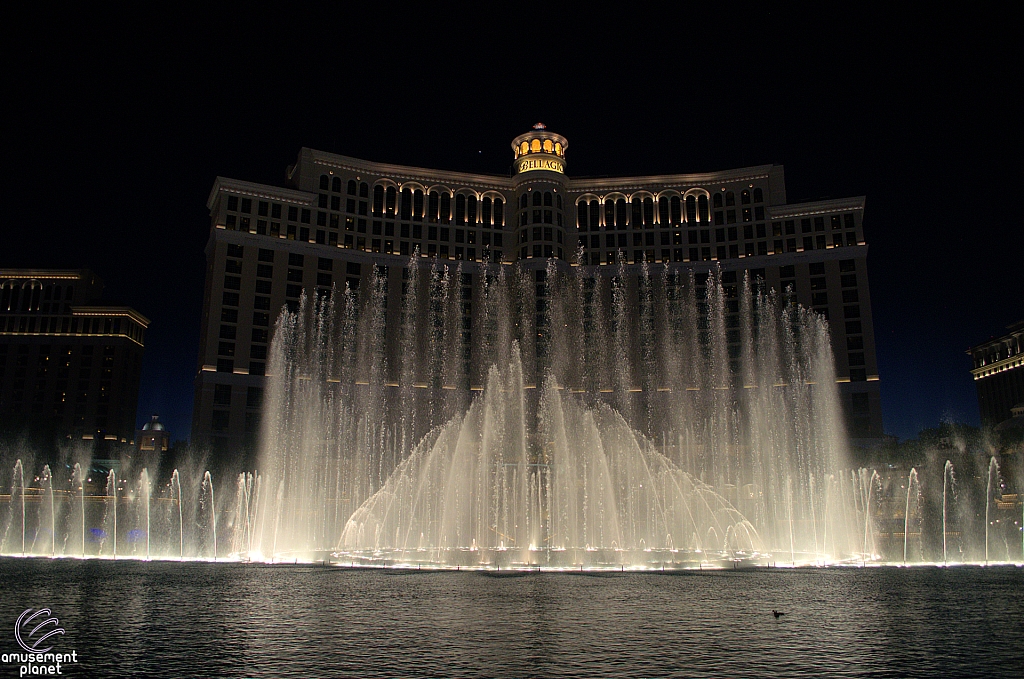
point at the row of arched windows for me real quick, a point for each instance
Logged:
(434, 206)
(538, 146)
(22, 296)
(640, 211)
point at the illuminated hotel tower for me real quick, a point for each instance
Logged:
(338, 217)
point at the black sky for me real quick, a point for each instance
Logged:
(116, 126)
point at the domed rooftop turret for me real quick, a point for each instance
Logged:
(154, 424)
(540, 149)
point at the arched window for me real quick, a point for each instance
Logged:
(745, 197)
(524, 200)
(637, 218)
(378, 199)
(499, 213)
(535, 146)
(548, 146)
(485, 211)
(558, 148)
(595, 214)
(702, 209)
(691, 209)
(8, 297)
(324, 182)
(717, 200)
(648, 211)
(471, 210)
(676, 207)
(558, 200)
(758, 195)
(547, 199)
(406, 209)
(620, 213)
(390, 197)
(446, 208)
(663, 210)
(433, 207)
(417, 204)
(524, 148)
(351, 187)
(336, 185)
(581, 216)
(537, 198)
(609, 214)
(460, 209)
(730, 198)
(364, 190)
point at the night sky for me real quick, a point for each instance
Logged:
(117, 125)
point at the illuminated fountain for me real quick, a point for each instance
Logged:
(634, 438)
(651, 419)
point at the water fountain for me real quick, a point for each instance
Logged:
(578, 421)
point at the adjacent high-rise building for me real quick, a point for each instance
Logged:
(999, 374)
(339, 217)
(69, 366)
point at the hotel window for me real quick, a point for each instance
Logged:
(233, 203)
(390, 196)
(819, 223)
(246, 205)
(805, 226)
(229, 315)
(260, 302)
(850, 296)
(275, 211)
(226, 348)
(293, 291)
(351, 187)
(230, 299)
(263, 287)
(758, 195)
(227, 332)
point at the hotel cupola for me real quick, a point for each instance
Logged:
(539, 150)
(539, 181)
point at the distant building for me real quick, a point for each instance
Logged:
(339, 217)
(69, 367)
(999, 374)
(153, 437)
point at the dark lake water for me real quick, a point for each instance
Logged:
(135, 619)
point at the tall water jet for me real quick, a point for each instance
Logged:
(993, 471)
(78, 488)
(209, 505)
(18, 500)
(176, 499)
(144, 493)
(912, 483)
(111, 500)
(947, 482)
(48, 517)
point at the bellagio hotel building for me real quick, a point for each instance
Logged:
(338, 217)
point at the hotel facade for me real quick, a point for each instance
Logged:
(338, 217)
(69, 366)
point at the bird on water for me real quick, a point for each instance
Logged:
(777, 614)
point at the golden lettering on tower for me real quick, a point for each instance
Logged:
(541, 163)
